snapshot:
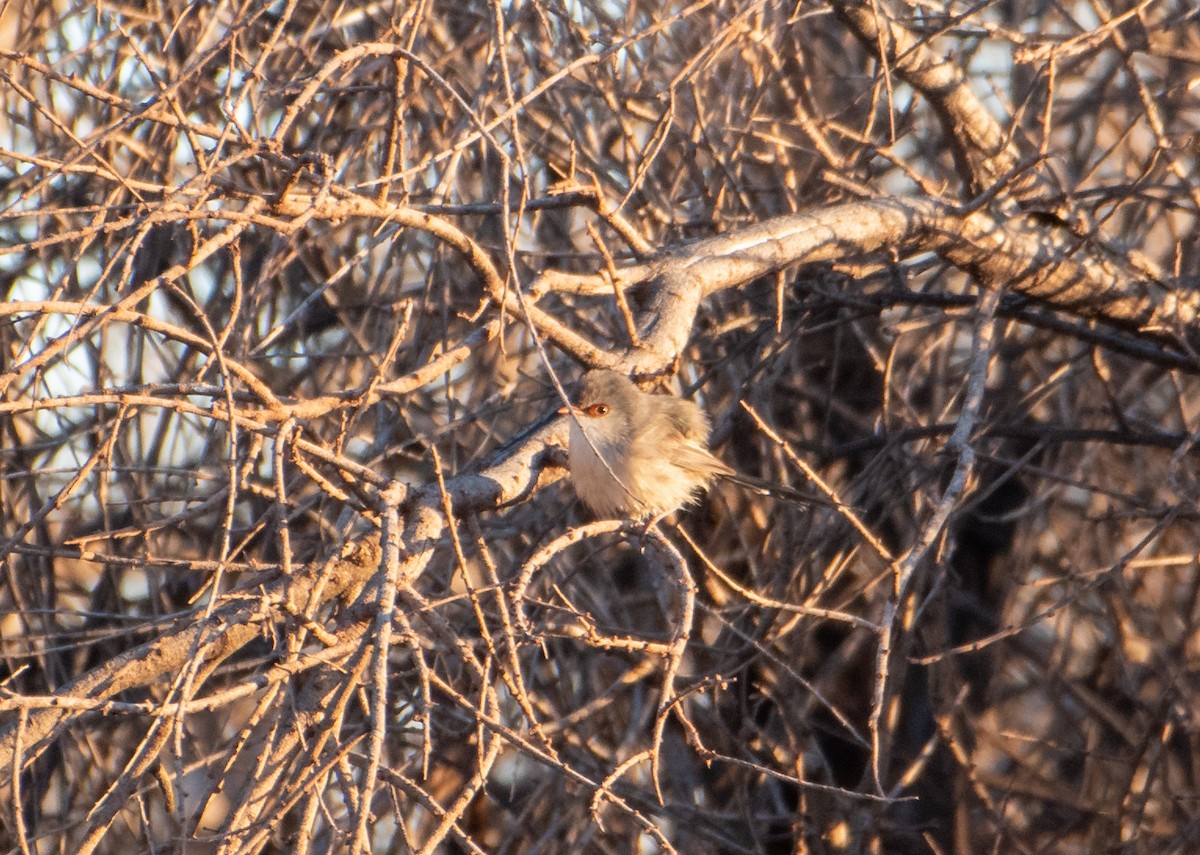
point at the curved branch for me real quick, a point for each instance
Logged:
(1022, 255)
(983, 152)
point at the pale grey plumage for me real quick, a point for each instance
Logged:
(653, 449)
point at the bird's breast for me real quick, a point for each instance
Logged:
(600, 474)
(615, 479)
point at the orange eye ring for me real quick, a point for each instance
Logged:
(597, 410)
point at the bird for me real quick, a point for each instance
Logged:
(636, 454)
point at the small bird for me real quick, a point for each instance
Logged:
(635, 453)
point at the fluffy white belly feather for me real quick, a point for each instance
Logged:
(659, 486)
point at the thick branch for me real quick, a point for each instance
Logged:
(1048, 265)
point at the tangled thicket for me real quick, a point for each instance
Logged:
(290, 563)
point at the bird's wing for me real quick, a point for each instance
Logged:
(695, 458)
(686, 418)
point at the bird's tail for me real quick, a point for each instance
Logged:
(780, 491)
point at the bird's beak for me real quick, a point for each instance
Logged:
(562, 411)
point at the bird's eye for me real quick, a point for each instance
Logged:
(597, 410)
